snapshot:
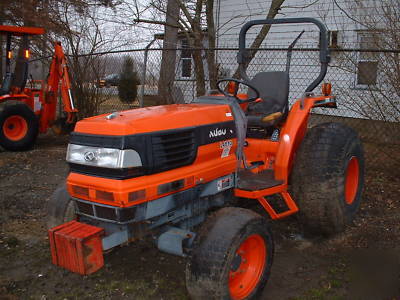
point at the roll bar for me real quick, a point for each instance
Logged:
(324, 55)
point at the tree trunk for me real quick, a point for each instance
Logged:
(212, 68)
(1, 56)
(168, 60)
(2, 46)
(273, 11)
(198, 65)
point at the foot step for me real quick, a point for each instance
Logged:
(250, 181)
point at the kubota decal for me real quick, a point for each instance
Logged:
(217, 132)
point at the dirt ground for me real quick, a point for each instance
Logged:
(361, 263)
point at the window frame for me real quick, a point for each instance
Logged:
(333, 39)
(361, 59)
(185, 58)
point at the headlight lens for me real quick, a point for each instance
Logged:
(103, 157)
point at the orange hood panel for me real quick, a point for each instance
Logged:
(155, 118)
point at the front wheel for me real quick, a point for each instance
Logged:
(232, 256)
(19, 127)
(60, 208)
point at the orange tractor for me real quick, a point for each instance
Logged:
(175, 173)
(27, 111)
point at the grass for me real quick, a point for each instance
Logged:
(330, 287)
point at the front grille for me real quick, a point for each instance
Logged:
(106, 212)
(173, 150)
(84, 208)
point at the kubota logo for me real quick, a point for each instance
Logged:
(89, 156)
(217, 132)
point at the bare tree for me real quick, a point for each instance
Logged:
(272, 12)
(82, 36)
(377, 66)
(79, 25)
(195, 22)
(168, 60)
(375, 69)
(2, 17)
(196, 16)
(211, 60)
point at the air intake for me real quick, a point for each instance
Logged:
(173, 150)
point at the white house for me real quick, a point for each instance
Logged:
(351, 73)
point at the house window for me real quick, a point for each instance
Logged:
(186, 59)
(333, 38)
(367, 63)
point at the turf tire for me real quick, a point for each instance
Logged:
(214, 250)
(318, 180)
(60, 208)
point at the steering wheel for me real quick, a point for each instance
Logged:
(235, 93)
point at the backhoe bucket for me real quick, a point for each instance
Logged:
(62, 127)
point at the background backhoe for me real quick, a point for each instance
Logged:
(25, 110)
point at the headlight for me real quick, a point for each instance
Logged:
(103, 157)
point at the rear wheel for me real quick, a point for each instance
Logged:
(328, 177)
(232, 256)
(19, 127)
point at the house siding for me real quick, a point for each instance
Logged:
(232, 14)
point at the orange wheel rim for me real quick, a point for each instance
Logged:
(247, 267)
(352, 178)
(15, 128)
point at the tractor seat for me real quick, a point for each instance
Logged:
(6, 86)
(274, 92)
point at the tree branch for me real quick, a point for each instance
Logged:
(155, 22)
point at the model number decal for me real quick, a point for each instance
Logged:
(223, 184)
(226, 147)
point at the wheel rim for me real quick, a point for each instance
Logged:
(352, 178)
(15, 128)
(247, 267)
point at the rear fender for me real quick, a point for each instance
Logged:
(292, 134)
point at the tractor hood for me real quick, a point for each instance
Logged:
(155, 118)
(150, 140)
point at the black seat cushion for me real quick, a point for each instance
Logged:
(274, 92)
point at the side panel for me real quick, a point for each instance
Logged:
(261, 150)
